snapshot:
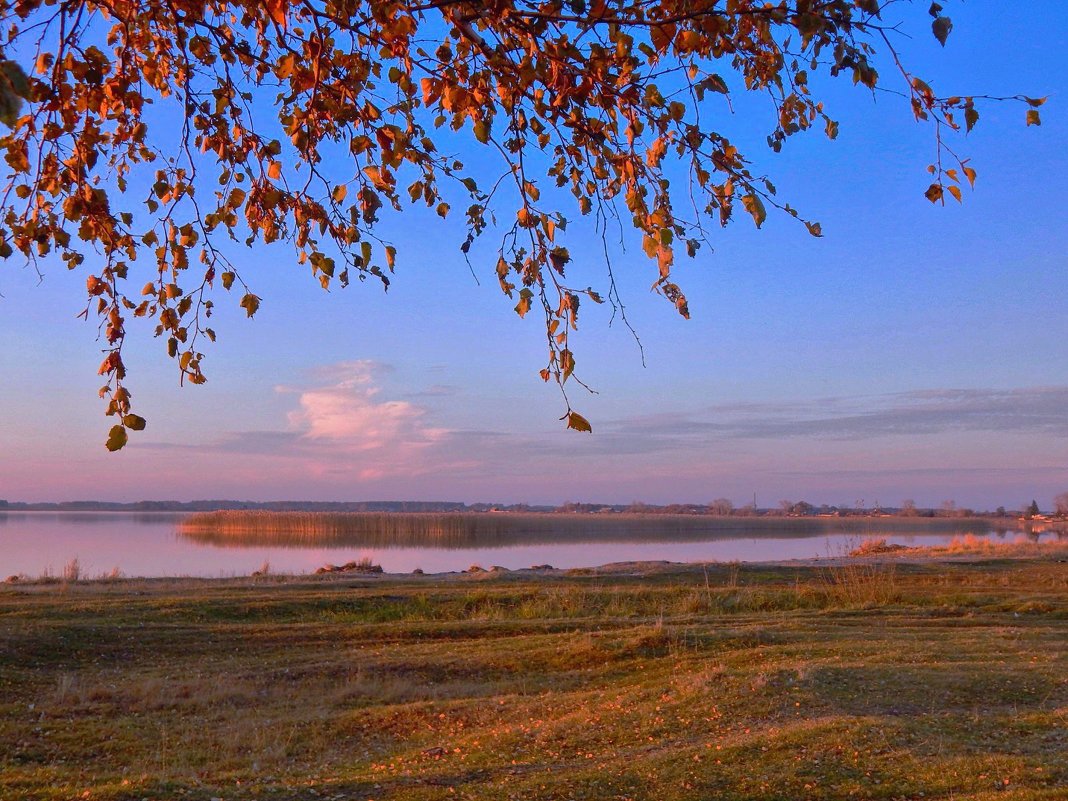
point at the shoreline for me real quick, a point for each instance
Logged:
(913, 556)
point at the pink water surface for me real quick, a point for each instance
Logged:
(35, 543)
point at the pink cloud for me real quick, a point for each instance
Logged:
(347, 422)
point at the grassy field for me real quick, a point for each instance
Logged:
(907, 681)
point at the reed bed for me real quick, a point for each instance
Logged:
(488, 529)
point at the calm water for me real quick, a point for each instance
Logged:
(34, 543)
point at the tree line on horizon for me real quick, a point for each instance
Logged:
(722, 507)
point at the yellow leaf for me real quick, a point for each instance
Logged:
(578, 422)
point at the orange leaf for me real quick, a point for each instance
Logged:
(279, 10)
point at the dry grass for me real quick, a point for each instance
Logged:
(469, 529)
(1020, 546)
(876, 547)
(362, 565)
(72, 570)
(743, 681)
(861, 585)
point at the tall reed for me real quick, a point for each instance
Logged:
(488, 529)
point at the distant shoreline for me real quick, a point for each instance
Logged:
(1010, 519)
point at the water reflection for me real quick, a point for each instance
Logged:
(504, 530)
(166, 544)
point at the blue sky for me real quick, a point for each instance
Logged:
(913, 352)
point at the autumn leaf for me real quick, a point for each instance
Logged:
(942, 26)
(278, 11)
(117, 438)
(298, 122)
(525, 297)
(250, 303)
(755, 206)
(578, 422)
(134, 422)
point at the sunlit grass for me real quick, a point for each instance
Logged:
(716, 681)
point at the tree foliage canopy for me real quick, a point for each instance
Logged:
(143, 134)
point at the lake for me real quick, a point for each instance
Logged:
(139, 544)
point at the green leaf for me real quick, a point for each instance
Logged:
(116, 438)
(134, 422)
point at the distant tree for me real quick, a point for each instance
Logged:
(721, 506)
(1060, 504)
(574, 507)
(1000, 511)
(300, 121)
(796, 508)
(908, 508)
(749, 510)
(1032, 510)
